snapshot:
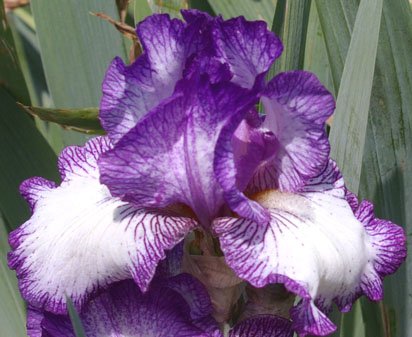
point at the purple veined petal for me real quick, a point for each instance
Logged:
(168, 157)
(263, 326)
(248, 47)
(296, 106)
(194, 293)
(238, 154)
(33, 323)
(316, 247)
(389, 243)
(129, 92)
(80, 238)
(123, 310)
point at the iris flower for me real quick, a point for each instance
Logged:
(187, 152)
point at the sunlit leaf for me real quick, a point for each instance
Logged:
(352, 105)
(82, 120)
(251, 10)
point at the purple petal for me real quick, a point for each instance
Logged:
(80, 238)
(168, 157)
(263, 326)
(129, 92)
(315, 246)
(297, 106)
(123, 310)
(238, 154)
(194, 293)
(248, 47)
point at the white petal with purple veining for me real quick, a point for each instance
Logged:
(313, 244)
(248, 47)
(131, 91)
(80, 238)
(297, 106)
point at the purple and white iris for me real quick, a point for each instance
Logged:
(188, 159)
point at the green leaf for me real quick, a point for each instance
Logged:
(251, 10)
(12, 308)
(290, 24)
(82, 120)
(316, 57)
(75, 319)
(172, 7)
(76, 51)
(387, 164)
(11, 77)
(141, 10)
(24, 153)
(352, 105)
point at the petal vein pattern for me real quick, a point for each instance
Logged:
(131, 91)
(124, 311)
(168, 157)
(235, 49)
(315, 246)
(297, 106)
(80, 239)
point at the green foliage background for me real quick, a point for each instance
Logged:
(53, 55)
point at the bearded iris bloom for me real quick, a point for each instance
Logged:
(186, 150)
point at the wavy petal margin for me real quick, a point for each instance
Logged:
(123, 310)
(80, 238)
(316, 247)
(297, 106)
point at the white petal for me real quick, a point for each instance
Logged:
(80, 238)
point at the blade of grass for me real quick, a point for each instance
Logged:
(387, 164)
(24, 153)
(75, 319)
(352, 106)
(11, 76)
(12, 308)
(316, 57)
(76, 51)
(294, 18)
(251, 10)
(141, 10)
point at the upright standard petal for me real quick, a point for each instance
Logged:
(168, 157)
(316, 247)
(80, 238)
(123, 310)
(129, 92)
(248, 47)
(296, 106)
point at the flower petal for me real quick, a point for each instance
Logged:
(238, 154)
(122, 310)
(129, 92)
(296, 106)
(80, 238)
(315, 246)
(168, 157)
(248, 47)
(263, 326)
